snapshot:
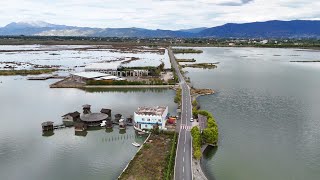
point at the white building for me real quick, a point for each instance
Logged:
(147, 117)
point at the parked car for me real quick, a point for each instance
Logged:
(191, 119)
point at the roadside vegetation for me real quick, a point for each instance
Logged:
(184, 51)
(177, 98)
(209, 134)
(155, 160)
(26, 72)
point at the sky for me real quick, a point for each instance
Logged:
(156, 14)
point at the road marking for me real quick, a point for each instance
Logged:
(183, 158)
(183, 126)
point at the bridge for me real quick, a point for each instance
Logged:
(183, 161)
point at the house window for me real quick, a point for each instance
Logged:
(142, 119)
(159, 120)
(145, 126)
(148, 119)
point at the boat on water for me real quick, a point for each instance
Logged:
(104, 123)
(136, 144)
(140, 131)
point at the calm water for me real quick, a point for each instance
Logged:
(26, 154)
(67, 57)
(267, 110)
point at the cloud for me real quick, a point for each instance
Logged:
(156, 14)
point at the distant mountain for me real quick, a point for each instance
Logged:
(269, 29)
(194, 30)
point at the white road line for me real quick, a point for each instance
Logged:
(185, 137)
(183, 169)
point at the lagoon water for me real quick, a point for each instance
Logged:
(26, 154)
(268, 113)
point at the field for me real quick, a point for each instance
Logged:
(152, 161)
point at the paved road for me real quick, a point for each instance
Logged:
(182, 168)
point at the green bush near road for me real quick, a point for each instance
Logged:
(168, 172)
(196, 142)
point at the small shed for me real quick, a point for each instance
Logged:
(129, 120)
(47, 126)
(86, 109)
(117, 117)
(73, 116)
(106, 111)
(122, 124)
(80, 127)
(109, 123)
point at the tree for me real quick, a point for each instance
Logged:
(210, 135)
(197, 154)
(211, 123)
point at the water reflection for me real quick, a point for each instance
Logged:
(47, 133)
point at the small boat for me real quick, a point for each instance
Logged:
(136, 144)
(103, 123)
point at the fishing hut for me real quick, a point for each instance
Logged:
(71, 117)
(47, 126)
(109, 123)
(117, 117)
(86, 109)
(79, 127)
(122, 124)
(106, 111)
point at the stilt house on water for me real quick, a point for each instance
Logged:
(122, 124)
(109, 123)
(106, 111)
(117, 117)
(78, 127)
(86, 109)
(47, 126)
(71, 117)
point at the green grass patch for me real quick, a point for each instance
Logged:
(26, 72)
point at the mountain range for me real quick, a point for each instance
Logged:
(268, 29)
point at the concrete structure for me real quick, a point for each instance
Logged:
(203, 121)
(113, 68)
(147, 117)
(85, 76)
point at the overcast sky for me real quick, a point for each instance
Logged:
(156, 14)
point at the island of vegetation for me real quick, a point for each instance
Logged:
(26, 72)
(186, 60)
(155, 160)
(201, 65)
(184, 51)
